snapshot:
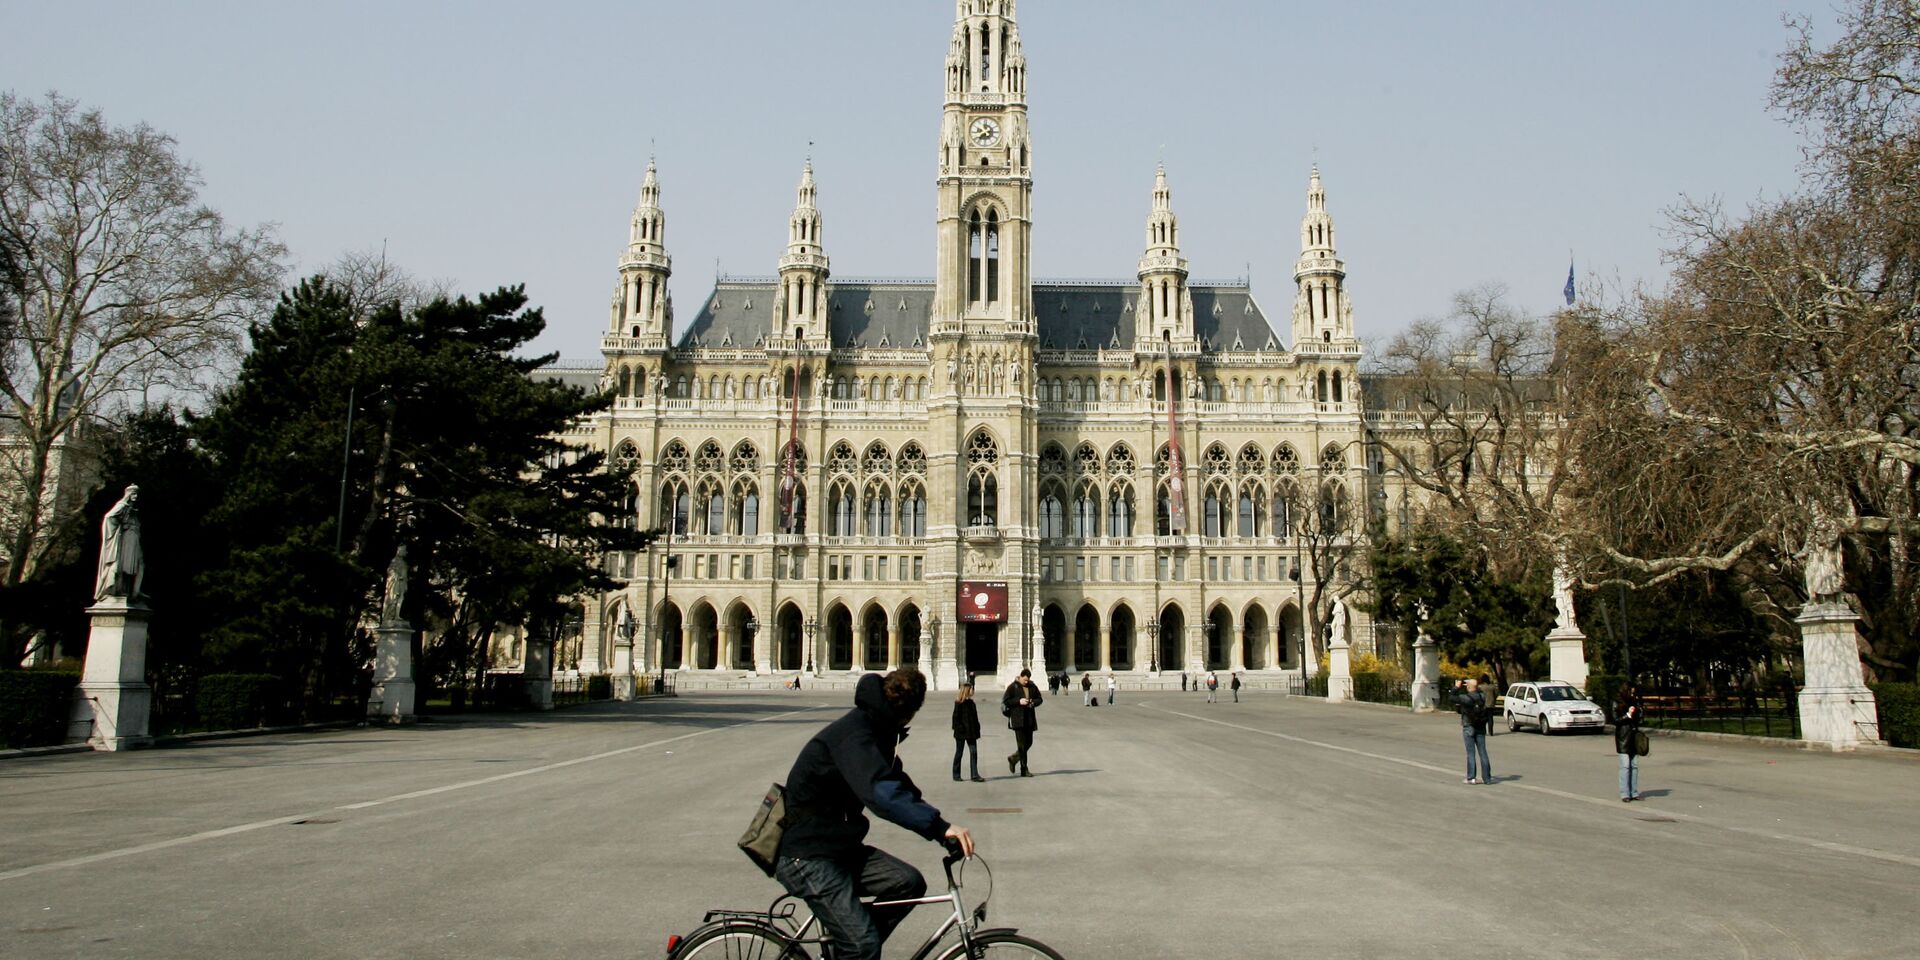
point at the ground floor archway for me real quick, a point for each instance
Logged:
(983, 647)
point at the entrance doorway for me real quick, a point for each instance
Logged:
(983, 647)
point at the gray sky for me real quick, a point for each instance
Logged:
(495, 143)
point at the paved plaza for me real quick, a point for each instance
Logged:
(1162, 826)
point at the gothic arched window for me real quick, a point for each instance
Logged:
(975, 240)
(993, 256)
(746, 509)
(1120, 511)
(714, 506)
(1052, 514)
(879, 510)
(913, 511)
(1086, 512)
(675, 505)
(840, 518)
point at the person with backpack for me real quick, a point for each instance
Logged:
(1476, 715)
(849, 767)
(966, 731)
(1213, 687)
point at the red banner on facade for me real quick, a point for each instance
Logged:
(983, 601)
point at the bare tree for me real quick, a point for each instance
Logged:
(122, 282)
(1469, 418)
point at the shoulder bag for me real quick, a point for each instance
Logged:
(761, 842)
(1642, 744)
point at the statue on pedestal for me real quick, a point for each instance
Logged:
(1824, 568)
(1339, 625)
(122, 568)
(396, 590)
(1563, 598)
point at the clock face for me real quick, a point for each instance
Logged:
(985, 131)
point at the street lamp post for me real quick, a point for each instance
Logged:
(666, 601)
(1153, 653)
(813, 626)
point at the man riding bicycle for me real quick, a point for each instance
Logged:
(847, 768)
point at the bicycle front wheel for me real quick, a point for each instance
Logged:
(1002, 946)
(738, 940)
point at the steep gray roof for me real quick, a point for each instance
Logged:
(894, 313)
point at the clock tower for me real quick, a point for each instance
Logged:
(985, 180)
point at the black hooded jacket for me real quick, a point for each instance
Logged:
(848, 766)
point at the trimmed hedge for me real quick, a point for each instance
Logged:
(34, 705)
(599, 687)
(1899, 705)
(236, 701)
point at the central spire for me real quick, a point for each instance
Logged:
(800, 310)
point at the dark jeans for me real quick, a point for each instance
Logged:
(1476, 741)
(833, 888)
(963, 746)
(1022, 742)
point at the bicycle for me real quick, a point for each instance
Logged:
(774, 934)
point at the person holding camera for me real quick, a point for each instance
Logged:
(1476, 715)
(1626, 729)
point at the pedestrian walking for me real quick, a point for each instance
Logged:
(1018, 704)
(966, 731)
(1112, 685)
(1213, 687)
(847, 769)
(1475, 717)
(1086, 689)
(1626, 741)
(1053, 684)
(1183, 682)
(1236, 688)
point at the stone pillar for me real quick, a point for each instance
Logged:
(1195, 642)
(1105, 642)
(590, 634)
(536, 671)
(945, 637)
(393, 685)
(113, 704)
(623, 686)
(1836, 708)
(1567, 656)
(1339, 670)
(893, 646)
(763, 638)
(1039, 664)
(1237, 650)
(1426, 674)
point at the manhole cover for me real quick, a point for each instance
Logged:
(996, 810)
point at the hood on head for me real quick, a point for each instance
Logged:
(868, 696)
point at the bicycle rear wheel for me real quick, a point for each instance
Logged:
(738, 940)
(1002, 946)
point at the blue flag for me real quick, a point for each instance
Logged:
(1569, 290)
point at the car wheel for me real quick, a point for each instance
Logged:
(1513, 723)
(1546, 726)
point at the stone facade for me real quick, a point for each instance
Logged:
(852, 469)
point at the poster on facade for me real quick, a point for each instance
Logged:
(983, 601)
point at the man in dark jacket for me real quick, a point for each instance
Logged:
(1476, 715)
(846, 769)
(1018, 704)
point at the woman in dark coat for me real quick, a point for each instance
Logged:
(1018, 704)
(1626, 723)
(966, 731)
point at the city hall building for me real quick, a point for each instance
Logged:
(978, 471)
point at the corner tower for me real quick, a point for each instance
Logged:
(641, 305)
(1322, 315)
(985, 182)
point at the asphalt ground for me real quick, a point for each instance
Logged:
(1162, 826)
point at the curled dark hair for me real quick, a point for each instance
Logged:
(905, 690)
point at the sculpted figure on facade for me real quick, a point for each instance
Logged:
(1339, 624)
(1563, 596)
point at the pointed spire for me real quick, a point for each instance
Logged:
(1163, 227)
(803, 228)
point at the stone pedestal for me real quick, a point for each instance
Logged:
(1426, 675)
(391, 700)
(1339, 671)
(536, 671)
(925, 666)
(623, 670)
(113, 704)
(1836, 708)
(1567, 656)
(946, 673)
